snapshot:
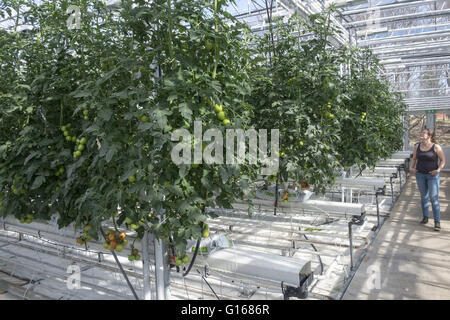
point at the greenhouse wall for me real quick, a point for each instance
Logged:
(447, 157)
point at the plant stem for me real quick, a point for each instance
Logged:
(169, 5)
(216, 50)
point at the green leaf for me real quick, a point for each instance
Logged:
(144, 126)
(37, 182)
(82, 94)
(110, 155)
(31, 156)
(105, 114)
(127, 174)
(184, 170)
(185, 111)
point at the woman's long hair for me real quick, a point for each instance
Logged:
(431, 133)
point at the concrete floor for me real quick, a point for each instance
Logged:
(407, 260)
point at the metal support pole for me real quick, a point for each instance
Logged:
(166, 272)
(146, 267)
(392, 188)
(159, 269)
(350, 235)
(406, 134)
(430, 121)
(378, 210)
(276, 196)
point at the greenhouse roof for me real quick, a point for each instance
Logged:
(410, 37)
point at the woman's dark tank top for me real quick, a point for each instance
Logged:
(427, 160)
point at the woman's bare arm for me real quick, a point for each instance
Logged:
(441, 156)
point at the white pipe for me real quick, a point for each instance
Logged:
(148, 295)
(159, 269)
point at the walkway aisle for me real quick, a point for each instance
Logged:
(407, 260)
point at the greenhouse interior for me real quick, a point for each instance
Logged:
(224, 150)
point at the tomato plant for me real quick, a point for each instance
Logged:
(327, 118)
(94, 108)
(87, 114)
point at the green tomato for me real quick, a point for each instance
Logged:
(205, 234)
(15, 190)
(218, 108)
(226, 122)
(132, 179)
(131, 258)
(221, 116)
(80, 147)
(178, 262)
(83, 140)
(209, 45)
(77, 154)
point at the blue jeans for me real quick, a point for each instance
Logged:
(429, 190)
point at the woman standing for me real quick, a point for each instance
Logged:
(428, 153)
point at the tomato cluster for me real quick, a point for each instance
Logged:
(134, 256)
(115, 240)
(27, 219)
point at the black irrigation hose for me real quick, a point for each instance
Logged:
(360, 171)
(193, 258)
(320, 259)
(196, 250)
(208, 284)
(121, 269)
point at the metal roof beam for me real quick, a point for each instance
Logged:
(436, 98)
(427, 89)
(422, 80)
(411, 71)
(388, 7)
(447, 25)
(409, 37)
(421, 63)
(417, 15)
